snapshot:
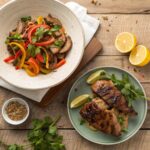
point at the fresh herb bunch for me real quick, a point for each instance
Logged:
(43, 136)
(126, 87)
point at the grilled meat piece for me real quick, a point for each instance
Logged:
(98, 116)
(112, 96)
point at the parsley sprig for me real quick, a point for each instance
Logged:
(43, 136)
(127, 88)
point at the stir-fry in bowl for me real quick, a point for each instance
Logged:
(38, 45)
(64, 57)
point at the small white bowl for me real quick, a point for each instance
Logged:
(5, 116)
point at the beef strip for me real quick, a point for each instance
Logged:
(112, 96)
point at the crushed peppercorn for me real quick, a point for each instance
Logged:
(16, 111)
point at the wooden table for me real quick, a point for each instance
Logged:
(115, 16)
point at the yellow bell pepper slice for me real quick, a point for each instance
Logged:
(40, 20)
(28, 71)
(47, 57)
(23, 53)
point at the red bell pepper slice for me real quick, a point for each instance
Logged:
(60, 63)
(48, 42)
(33, 29)
(8, 59)
(32, 62)
(40, 58)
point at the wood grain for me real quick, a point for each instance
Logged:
(112, 6)
(115, 6)
(137, 24)
(129, 15)
(74, 141)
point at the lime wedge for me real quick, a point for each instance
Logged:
(78, 101)
(95, 76)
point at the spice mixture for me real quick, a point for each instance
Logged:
(16, 111)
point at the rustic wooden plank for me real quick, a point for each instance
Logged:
(74, 141)
(115, 6)
(111, 6)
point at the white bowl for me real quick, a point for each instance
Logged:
(10, 13)
(5, 116)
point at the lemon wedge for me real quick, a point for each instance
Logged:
(139, 56)
(95, 76)
(80, 100)
(125, 42)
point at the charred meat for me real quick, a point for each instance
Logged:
(101, 118)
(106, 90)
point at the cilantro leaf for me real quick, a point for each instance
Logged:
(39, 33)
(120, 120)
(59, 43)
(125, 130)
(37, 50)
(34, 39)
(16, 37)
(82, 121)
(43, 136)
(127, 88)
(55, 28)
(26, 18)
(15, 147)
(52, 130)
(31, 50)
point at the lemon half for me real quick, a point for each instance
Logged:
(139, 56)
(125, 42)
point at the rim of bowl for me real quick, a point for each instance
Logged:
(5, 116)
(111, 143)
(83, 47)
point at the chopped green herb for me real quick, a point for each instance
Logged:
(34, 39)
(15, 147)
(44, 56)
(82, 121)
(31, 50)
(120, 120)
(127, 88)
(48, 32)
(59, 43)
(26, 18)
(39, 33)
(43, 136)
(37, 50)
(56, 28)
(16, 37)
(124, 130)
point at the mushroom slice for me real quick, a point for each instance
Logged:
(20, 27)
(61, 56)
(55, 49)
(53, 20)
(67, 46)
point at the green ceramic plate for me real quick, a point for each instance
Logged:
(80, 87)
